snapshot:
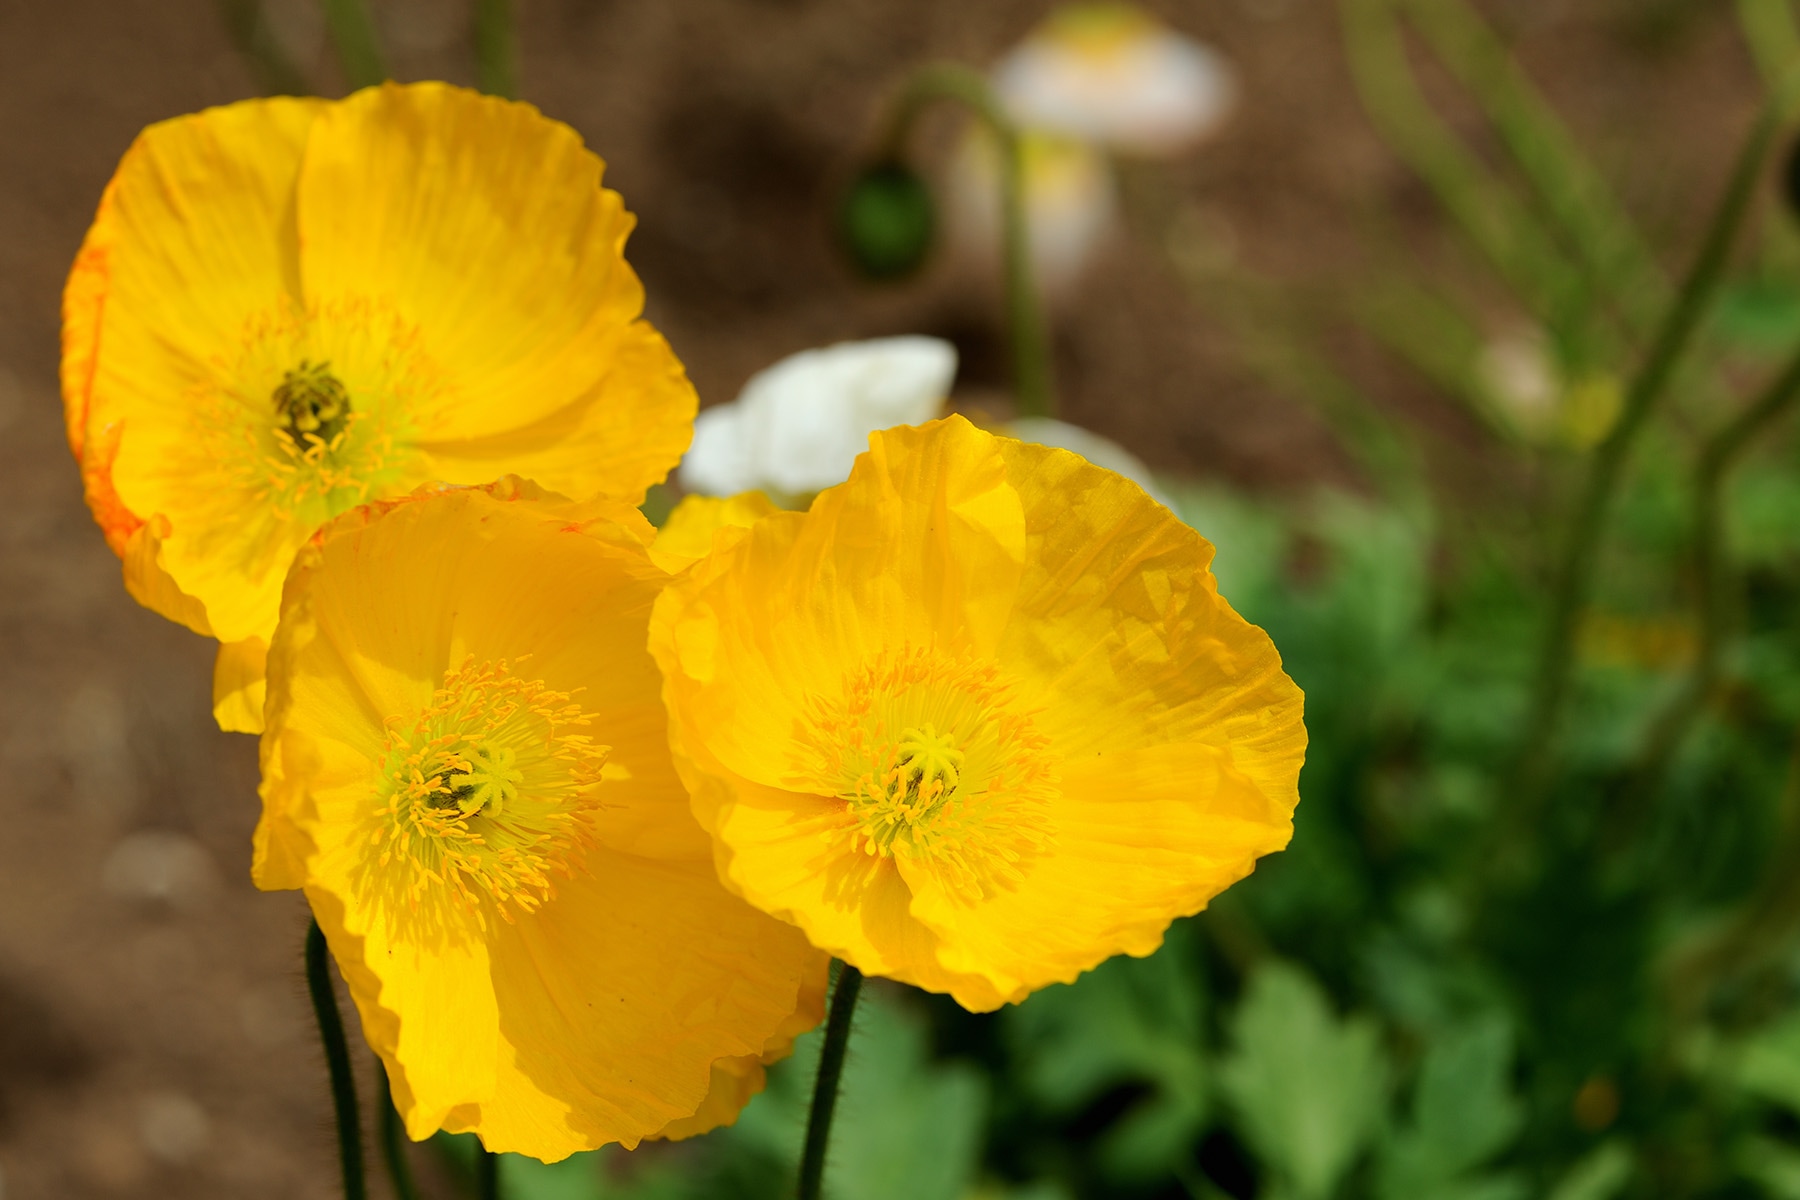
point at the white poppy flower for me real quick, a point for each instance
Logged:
(797, 426)
(1112, 74)
(1101, 451)
(1070, 204)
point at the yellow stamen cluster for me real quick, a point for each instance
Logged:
(937, 769)
(485, 795)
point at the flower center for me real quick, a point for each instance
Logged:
(937, 768)
(311, 404)
(484, 795)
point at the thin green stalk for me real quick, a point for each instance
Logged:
(487, 1174)
(248, 25)
(825, 1091)
(393, 1142)
(357, 44)
(337, 1062)
(1027, 329)
(1774, 39)
(1716, 460)
(1575, 196)
(496, 49)
(1574, 573)
(1500, 227)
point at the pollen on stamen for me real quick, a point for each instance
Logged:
(487, 794)
(938, 768)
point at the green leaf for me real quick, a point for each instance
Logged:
(1131, 1020)
(1768, 1064)
(1463, 1114)
(1310, 1090)
(1776, 1167)
(1600, 1176)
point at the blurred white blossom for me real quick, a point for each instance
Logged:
(1101, 451)
(1518, 371)
(797, 426)
(1114, 75)
(1070, 204)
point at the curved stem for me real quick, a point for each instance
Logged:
(1027, 329)
(825, 1091)
(337, 1062)
(487, 1174)
(1574, 573)
(1720, 454)
(393, 1144)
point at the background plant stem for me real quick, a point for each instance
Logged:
(1027, 330)
(825, 1090)
(496, 49)
(1574, 572)
(276, 73)
(393, 1142)
(1720, 454)
(487, 1174)
(337, 1063)
(357, 44)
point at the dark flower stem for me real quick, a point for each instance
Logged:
(487, 1174)
(1027, 329)
(337, 1061)
(825, 1091)
(393, 1142)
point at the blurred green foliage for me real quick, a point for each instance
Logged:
(1464, 980)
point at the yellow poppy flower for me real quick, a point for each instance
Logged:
(288, 307)
(466, 768)
(979, 719)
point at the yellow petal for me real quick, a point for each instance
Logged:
(239, 687)
(687, 536)
(618, 999)
(422, 194)
(1121, 632)
(1141, 837)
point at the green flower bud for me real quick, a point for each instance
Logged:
(887, 221)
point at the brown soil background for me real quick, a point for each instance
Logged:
(154, 1037)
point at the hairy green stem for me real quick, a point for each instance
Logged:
(496, 49)
(487, 1174)
(1719, 455)
(337, 1062)
(357, 44)
(1574, 571)
(393, 1142)
(825, 1090)
(1027, 329)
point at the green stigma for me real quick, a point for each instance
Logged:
(489, 785)
(312, 404)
